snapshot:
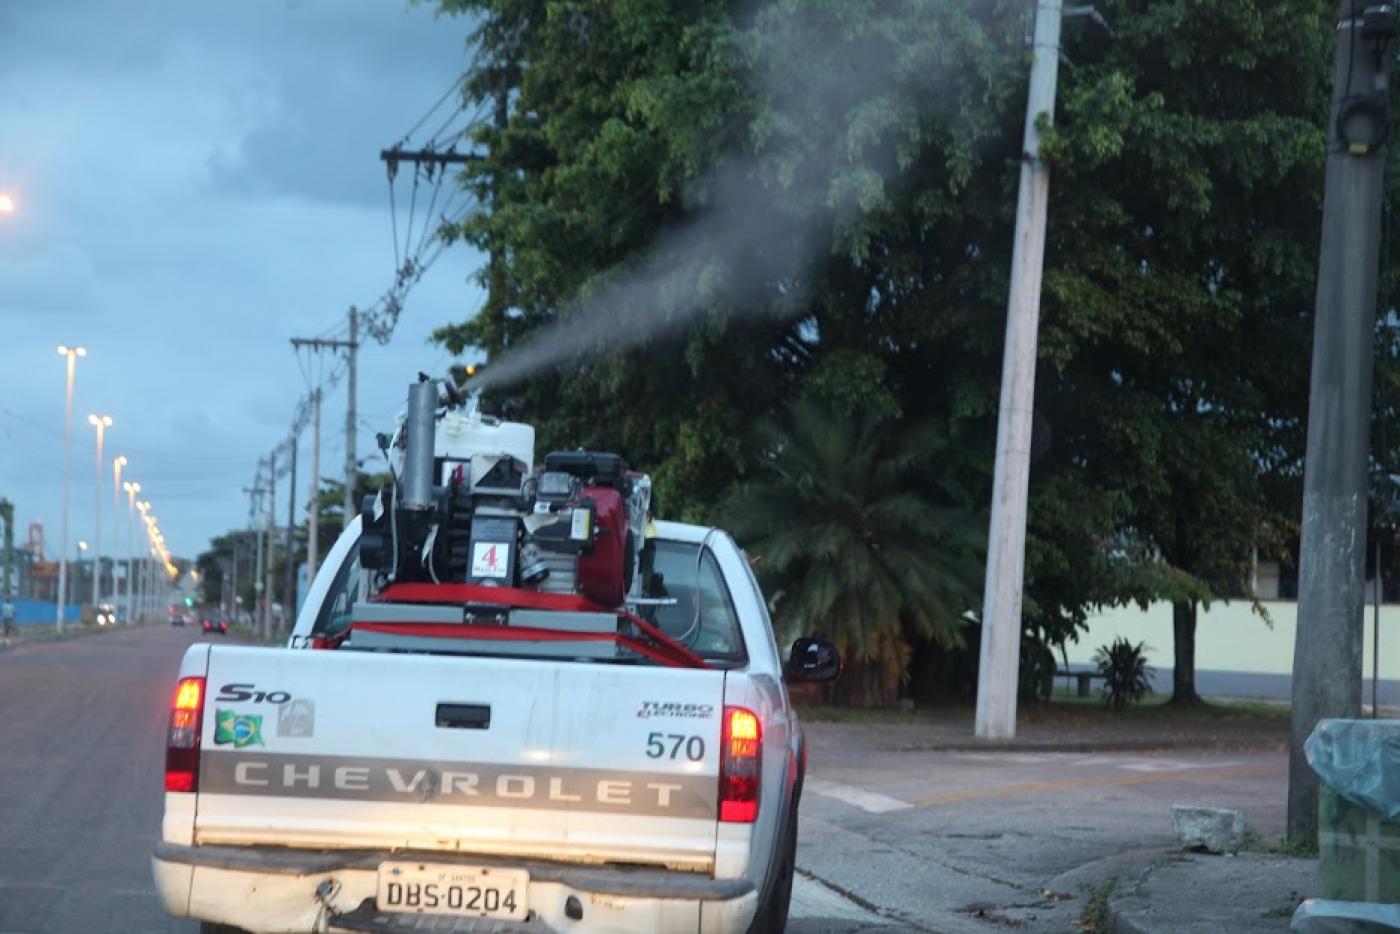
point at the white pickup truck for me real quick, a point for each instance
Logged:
(414, 789)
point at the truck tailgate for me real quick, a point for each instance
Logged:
(572, 761)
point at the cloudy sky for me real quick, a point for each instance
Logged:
(196, 183)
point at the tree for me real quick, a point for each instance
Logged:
(884, 140)
(1179, 287)
(216, 566)
(856, 541)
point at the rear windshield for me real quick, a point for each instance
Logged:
(703, 617)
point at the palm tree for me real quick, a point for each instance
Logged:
(857, 540)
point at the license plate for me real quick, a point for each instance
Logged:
(473, 891)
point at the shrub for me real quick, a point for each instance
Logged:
(1126, 675)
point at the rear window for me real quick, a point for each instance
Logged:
(703, 617)
(334, 616)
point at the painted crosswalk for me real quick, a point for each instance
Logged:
(870, 801)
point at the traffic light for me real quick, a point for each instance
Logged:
(189, 601)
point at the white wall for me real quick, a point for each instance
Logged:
(1229, 637)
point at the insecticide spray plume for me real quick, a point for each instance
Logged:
(840, 108)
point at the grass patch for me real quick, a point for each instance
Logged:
(47, 632)
(1094, 919)
(253, 635)
(1153, 708)
(1158, 705)
(1300, 849)
(832, 713)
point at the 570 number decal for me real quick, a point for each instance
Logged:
(672, 745)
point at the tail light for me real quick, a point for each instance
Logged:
(740, 766)
(182, 740)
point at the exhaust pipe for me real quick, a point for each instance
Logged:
(419, 435)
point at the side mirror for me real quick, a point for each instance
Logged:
(813, 661)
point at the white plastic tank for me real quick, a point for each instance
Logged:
(463, 434)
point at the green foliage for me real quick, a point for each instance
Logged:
(1037, 672)
(856, 541)
(1126, 674)
(878, 145)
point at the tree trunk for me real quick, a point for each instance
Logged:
(865, 684)
(1184, 638)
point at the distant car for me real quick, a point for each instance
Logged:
(106, 615)
(177, 620)
(216, 625)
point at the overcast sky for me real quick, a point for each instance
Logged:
(195, 183)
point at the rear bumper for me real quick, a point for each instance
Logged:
(274, 889)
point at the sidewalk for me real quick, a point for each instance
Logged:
(1196, 893)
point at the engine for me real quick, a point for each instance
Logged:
(469, 505)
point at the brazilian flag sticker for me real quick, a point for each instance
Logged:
(240, 729)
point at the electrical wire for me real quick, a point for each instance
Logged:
(456, 83)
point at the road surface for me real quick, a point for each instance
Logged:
(889, 840)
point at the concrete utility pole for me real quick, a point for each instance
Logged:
(291, 587)
(314, 521)
(255, 493)
(270, 526)
(351, 470)
(1327, 669)
(999, 664)
(351, 464)
(233, 581)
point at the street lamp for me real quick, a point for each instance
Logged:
(132, 489)
(72, 353)
(117, 464)
(101, 423)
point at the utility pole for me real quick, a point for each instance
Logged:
(351, 466)
(255, 493)
(1327, 668)
(233, 582)
(269, 525)
(314, 522)
(291, 587)
(999, 664)
(349, 346)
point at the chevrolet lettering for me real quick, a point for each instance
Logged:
(512, 694)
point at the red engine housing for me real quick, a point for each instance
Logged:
(602, 570)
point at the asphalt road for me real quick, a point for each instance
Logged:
(890, 840)
(82, 745)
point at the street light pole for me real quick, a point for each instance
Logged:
(72, 353)
(131, 608)
(101, 423)
(141, 507)
(77, 559)
(117, 464)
